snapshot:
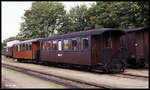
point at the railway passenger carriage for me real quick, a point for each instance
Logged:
(8, 52)
(137, 42)
(98, 48)
(26, 50)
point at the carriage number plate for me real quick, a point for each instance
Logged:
(59, 54)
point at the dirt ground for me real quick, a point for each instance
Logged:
(140, 72)
(12, 79)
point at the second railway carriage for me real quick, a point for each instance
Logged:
(98, 48)
(136, 40)
(7, 51)
(26, 50)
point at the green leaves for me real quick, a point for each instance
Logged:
(4, 43)
(45, 18)
(40, 18)
(121, 14)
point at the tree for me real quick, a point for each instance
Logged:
(10, 39)
(44, 19)
(120, 14)
(4, 43)
(101, 15)
(41, 20)
(143, 13)
(78, 17)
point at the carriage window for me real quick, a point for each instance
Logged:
(48, 45)
(42, 45)
(30, 46)
(18, 48)
(59, 45)
(23, 47)
(6, 49)
(74, 44)
(26, 47)
(54, 45)
(107, 42)
(84, 44)
(66, 45)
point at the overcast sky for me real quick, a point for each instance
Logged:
(12, 12)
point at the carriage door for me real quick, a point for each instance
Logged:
(111, 42)
(146, 46)
(107, 47)
(96, 49)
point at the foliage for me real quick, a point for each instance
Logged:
(78, 16)
(4, 43)
(121, 14)
(41, 20)
(44, 19)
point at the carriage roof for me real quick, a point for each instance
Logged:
(85, 33)
(28, 41)
(137, 29)
(81, 33)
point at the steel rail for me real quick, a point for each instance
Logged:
(38, 76)
(135, 75)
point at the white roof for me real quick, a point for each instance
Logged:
(9, 44)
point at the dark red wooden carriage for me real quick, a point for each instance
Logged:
(137, 42)
(92, 48)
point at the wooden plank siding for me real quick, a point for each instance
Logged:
(29, 54)
(97, 46)
(137, 42)
(140, 45)
(22, 54)
(146, 38)
(115, 45)
(7, 51)
(130, 39)
(68, 56)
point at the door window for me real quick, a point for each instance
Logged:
(66, 45)
(54, 45)
(74, 44)
(84, 44)
(59, 45)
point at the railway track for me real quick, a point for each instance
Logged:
(67, 82)
(124, 75)
(131, 76)
(138, 76)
